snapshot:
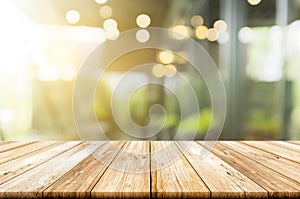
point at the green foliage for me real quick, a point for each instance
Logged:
(138, 106)
(171, 120)
(200, 122)
(259, 121)
(103, 102)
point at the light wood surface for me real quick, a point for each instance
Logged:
(287, 145)
(231, 183)
(150, 169)
(128, 173)
(8, 155)
(294, 142)
(277, 184)
(18, 166)
(80, 180)
(173, 176)
(275, 149)
(281, 165)
(5, 146)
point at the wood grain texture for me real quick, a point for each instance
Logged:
(80, 180)
(275, 149)
(128, 176)
(173, 176)
(23, 150)
(294, 142)
(283, 166)
(5, 142)
(223, 180)
(287, 145)
(144, 169)
(12, 145)
(275, 183)
(18, 166)
(2, 143)
(31, 183)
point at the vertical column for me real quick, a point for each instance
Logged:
(233, 12)
(287, 85)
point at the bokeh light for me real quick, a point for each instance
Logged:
(201, 32)
(110, 24)
(166, 57)
(223, 38)
(170, 70)
(72, 16)
(196, 21)
(143, 20)
(212, 34)
(112, 34)
(254, 2)
(245, 35)
(101, 1)
(220, 26)
(158, 70)
(181, 32)
(105, 12)
(142, 36)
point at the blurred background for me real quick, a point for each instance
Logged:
(255, 44)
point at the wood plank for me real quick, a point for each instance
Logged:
(15, 167)
(287, 145)
(233, 169)
(286, 167)
(275, 183)
(31, 183)
(23, 150)
(274, 149)
(223, 180)
(128, 176)
(6, 142)
(294, 142)
(12, 145)
(174, 179)
(79, 181)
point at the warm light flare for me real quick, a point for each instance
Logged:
(110, 24)
(212, 34)
(72, 16)
(245, 35)
(201, 32)
(220, 26)
(181, 32)
(49, 73)
(112, 34)
(101, 1)
(197, 21)
(105, 12)
(170, 70)
(223, 38)
(166, 57)
(143, 21)
(142, 36)
(158, 70)
(254, 2)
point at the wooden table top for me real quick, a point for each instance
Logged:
(136, 169)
